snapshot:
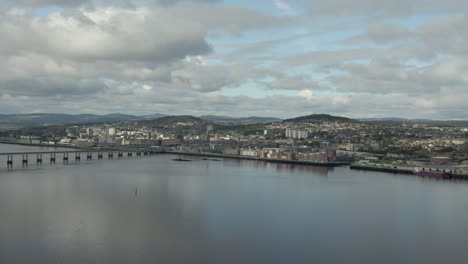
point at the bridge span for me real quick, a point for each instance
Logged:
(38, 157)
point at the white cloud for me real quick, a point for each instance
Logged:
(305, 93)
(284, 7)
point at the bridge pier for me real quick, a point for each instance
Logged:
(138, 153)
(39, 158)
(129, 154)
(65, 158)
(99, 156)
(52, 158)
(110, 155)
(120, 155)
(10, 161)
(78, 156)
(89, 156)
(25, 160)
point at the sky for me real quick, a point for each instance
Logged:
(360, 58)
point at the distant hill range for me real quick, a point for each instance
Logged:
(319, 118)
(60, 119)
(46, 119)
(244, 120)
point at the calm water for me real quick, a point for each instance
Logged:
(155, 210)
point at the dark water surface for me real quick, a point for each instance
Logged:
(156, 210)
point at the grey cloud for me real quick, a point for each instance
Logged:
(203, 79)
(443, 35)
(172, 2)
(41, 3)
(51, 87)
(66, 3)
(253, 51)
(391, 78)
(105, 34)
(384, 8)
(385, 34)
(231, 19)
(126, 34)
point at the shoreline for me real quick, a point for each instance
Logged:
(297, 162)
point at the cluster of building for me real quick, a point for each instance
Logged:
(278, 154)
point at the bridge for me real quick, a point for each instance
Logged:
(25, 158)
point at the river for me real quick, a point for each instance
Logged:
(157, 210)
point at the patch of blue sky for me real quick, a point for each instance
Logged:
(294, 43)
(45, 11)
(359, 61)
(325, 41)
(249, 88)
(226, 40)
(255, 89)
(416, 63)
(411, 22)
(312, 72)
(263, 6)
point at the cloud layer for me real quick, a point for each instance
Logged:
(365, 59)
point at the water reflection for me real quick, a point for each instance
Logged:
(154, 209)
(323, 171)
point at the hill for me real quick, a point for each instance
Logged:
(242, 120)
(176, 122)
(182, 124)
(319, 118)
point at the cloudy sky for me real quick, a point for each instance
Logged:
(360, 58)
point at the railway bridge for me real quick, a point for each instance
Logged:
(51, 157)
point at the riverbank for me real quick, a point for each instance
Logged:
(297, 162)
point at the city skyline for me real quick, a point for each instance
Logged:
(368, 59)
